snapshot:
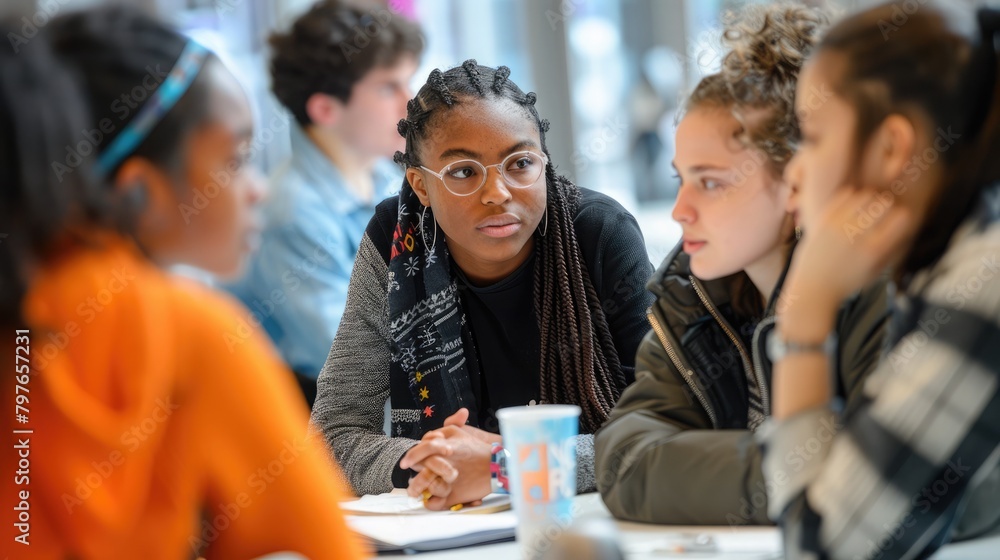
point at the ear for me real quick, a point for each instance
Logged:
(889, 151)
(161, 199)
(415, 177)
(791, 179)
(324, 110)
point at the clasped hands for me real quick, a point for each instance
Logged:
(452, 464)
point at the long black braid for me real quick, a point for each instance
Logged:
(574, 329)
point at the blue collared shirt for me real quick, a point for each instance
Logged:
(296, 283)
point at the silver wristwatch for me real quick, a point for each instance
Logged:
(778, 348)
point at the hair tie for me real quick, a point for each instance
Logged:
(162, 100)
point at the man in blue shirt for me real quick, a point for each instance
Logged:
(343, 70)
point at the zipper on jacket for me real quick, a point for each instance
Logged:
(735, 340)
(758, 369)
(688, 374)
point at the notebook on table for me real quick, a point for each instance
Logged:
(397, 522)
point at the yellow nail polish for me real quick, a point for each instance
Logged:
(456, 507)
(427, 496)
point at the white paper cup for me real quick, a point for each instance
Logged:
(541, 441)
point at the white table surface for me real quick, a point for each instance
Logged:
(636, 536)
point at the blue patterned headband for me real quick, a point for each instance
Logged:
(159, 104)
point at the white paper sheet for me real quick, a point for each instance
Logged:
(400, 504)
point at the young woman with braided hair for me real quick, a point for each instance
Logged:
(490, 281)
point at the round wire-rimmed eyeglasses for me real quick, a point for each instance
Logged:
(464, 177)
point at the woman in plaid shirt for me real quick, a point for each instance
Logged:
(897, 173)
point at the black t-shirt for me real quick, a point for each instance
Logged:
(505, 331)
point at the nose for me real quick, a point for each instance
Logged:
(684, 211)
(257, 187)
(495, 190)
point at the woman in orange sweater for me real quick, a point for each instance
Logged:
(156, 422)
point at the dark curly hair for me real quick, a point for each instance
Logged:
(333, 46)
(579, 361)
(767, 46)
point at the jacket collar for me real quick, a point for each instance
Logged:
(678, 302)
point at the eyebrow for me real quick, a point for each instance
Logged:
(465, 153)
(701, 168)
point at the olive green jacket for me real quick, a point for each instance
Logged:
(677, 448)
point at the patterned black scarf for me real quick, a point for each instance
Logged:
(427, 325)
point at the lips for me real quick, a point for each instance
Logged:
(692, 246)
(502, 225)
